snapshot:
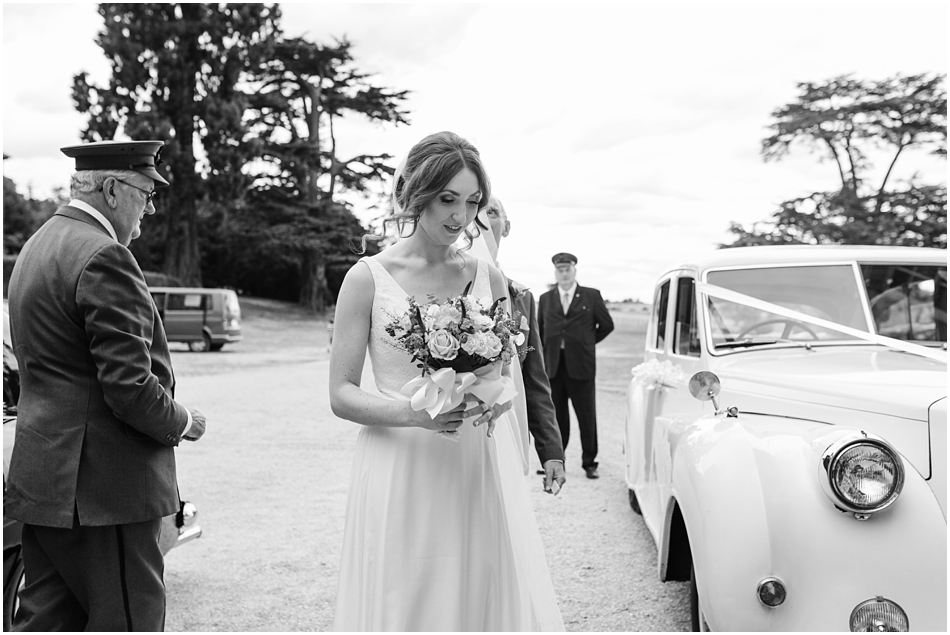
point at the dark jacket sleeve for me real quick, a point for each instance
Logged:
(542, 422)
(118, 313)
(604, 323)
(540, 317)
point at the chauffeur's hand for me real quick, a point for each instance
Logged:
(554, 473)
(198, 424)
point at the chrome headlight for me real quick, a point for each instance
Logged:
(863, 475)
(879, 616)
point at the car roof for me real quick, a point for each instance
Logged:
(806, 254)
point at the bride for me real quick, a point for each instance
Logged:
(440, 535)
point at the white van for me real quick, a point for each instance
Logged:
(206, 319)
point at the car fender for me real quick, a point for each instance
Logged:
(750, 498)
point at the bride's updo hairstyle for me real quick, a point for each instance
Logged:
(427, 169)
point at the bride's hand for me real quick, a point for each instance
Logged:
(446, 421)
(490, 415)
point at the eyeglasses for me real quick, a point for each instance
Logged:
(149, 194)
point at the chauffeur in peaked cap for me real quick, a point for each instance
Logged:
(137, 156)
(92, 471)
(572, 319)
(117, 179)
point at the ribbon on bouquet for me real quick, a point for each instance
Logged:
(445, 389)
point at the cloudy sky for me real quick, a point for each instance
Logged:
(627, 134)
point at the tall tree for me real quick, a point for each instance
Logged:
(296, 99)
(174, 71)
(842, 120)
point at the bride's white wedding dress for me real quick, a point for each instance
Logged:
(440, 535)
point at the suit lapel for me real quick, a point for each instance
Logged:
(575, 300)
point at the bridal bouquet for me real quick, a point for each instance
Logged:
(461, 346)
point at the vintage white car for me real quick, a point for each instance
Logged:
(786, 437)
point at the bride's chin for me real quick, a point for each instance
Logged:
(443, 238)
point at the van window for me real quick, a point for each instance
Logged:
(660, 304)
(685, 331)
(187, 301)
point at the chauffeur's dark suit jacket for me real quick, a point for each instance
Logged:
(541, 419)
(97, 424)
(586, 323)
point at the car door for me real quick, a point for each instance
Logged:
(184, 316)
(675, 408)
(641, 418)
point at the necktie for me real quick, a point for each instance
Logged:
(565, 302)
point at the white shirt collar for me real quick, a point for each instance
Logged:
(92, 211)
(570, 292)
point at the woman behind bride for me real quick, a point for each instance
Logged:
(440, 535)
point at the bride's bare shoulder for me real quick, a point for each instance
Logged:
(359, 281)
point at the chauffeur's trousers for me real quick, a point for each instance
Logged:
(92, 578)
(582, 395)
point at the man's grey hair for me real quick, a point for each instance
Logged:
(89, 181)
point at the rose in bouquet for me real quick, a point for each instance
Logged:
(461, 346)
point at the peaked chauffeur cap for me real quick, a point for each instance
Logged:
(139, 156)
(564, 258)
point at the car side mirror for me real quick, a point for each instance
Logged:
(706, 386)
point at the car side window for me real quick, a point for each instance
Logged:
(660, 305)
(685, 329)
(908, 302)
(186, 302)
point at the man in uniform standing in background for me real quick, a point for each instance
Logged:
(572, 320)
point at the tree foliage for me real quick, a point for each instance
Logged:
(297, 97)
(249, 117)
(21, 216)
(294, 101)
(845, 120)
(175, 67)
(273, 244)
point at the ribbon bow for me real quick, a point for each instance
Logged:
(445, 389)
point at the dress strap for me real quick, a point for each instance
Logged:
(381, 277)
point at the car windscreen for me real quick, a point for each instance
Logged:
(908, 302)
(829, 292)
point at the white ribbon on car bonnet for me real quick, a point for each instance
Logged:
(747, 300)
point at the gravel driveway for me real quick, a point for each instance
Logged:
(270, 479)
